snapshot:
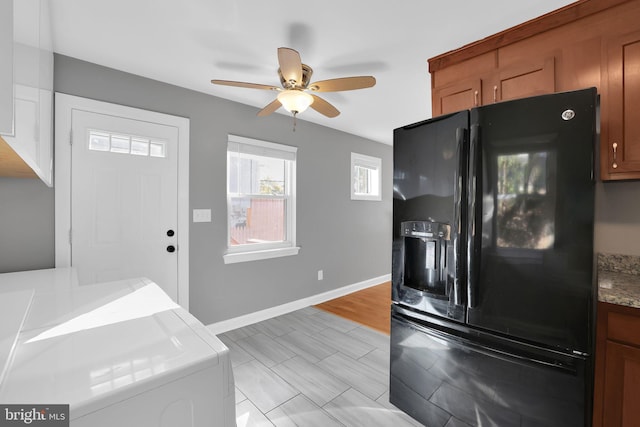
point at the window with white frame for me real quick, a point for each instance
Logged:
(366, 177)
(261, 202)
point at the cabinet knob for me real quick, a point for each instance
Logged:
(615, 155)
(171, 248)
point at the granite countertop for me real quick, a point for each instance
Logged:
(619, 279)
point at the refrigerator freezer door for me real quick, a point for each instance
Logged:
(531, 230)
(441, 379)
(428, 193)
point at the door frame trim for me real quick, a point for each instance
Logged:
(64, 106)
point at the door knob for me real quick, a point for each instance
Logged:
(170, 233)
(171, 248)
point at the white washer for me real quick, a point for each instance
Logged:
(120, 353)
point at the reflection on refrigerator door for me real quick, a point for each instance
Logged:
(437, 377)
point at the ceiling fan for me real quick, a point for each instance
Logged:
(296, 93)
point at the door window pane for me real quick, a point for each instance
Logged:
(140, 147)
(125, 144)
(99, 141)
(157, 149)
(120, 144)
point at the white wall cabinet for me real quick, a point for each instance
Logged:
(6, 70)
(31, 85)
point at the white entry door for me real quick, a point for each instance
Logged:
(124, 197)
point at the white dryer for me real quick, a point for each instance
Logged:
(120, 353)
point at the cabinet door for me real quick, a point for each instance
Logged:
(6, 69)
(30, 135)
(525, 80)
(621, 142)
(457, 97)
(622, 386)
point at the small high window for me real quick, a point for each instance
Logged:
(366, 177)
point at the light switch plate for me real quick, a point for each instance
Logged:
(202, 215)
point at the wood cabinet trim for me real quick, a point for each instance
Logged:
(613, 110)
(12, 165)
(551, 20)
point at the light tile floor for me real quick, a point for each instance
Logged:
(311, 368)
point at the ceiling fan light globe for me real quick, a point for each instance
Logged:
(295, 100)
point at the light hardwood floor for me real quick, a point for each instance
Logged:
(370, 307)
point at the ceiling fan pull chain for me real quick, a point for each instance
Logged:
(294, 120)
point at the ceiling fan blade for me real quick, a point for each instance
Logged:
(290, 65)
(323, 107)
(273, 106)
(344, 83)
(243, 84)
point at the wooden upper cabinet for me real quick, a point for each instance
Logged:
(502, 84)
(525, 80)
(588, 43)
(456, 97)
(460, 86)
(620, 143)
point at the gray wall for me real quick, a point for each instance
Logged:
(618, 218)
(349, 240)
(26, 225)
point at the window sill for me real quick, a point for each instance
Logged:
(258, 255)
(366, 197)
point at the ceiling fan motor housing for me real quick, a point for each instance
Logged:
(306, 78)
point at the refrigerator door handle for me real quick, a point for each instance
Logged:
(474, 224)
(460, 218)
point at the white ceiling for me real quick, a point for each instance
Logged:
(190, 42)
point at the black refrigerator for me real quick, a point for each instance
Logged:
(493, 295)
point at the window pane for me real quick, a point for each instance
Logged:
(257, 220)
(363, 180)
(99, 141)
(119, 144)
(140, 147)
(250, 174)
(366, 181)
(271, 173)
(157, 149)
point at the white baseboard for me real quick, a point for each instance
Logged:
(268, 313)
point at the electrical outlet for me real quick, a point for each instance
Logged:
(320, 275)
